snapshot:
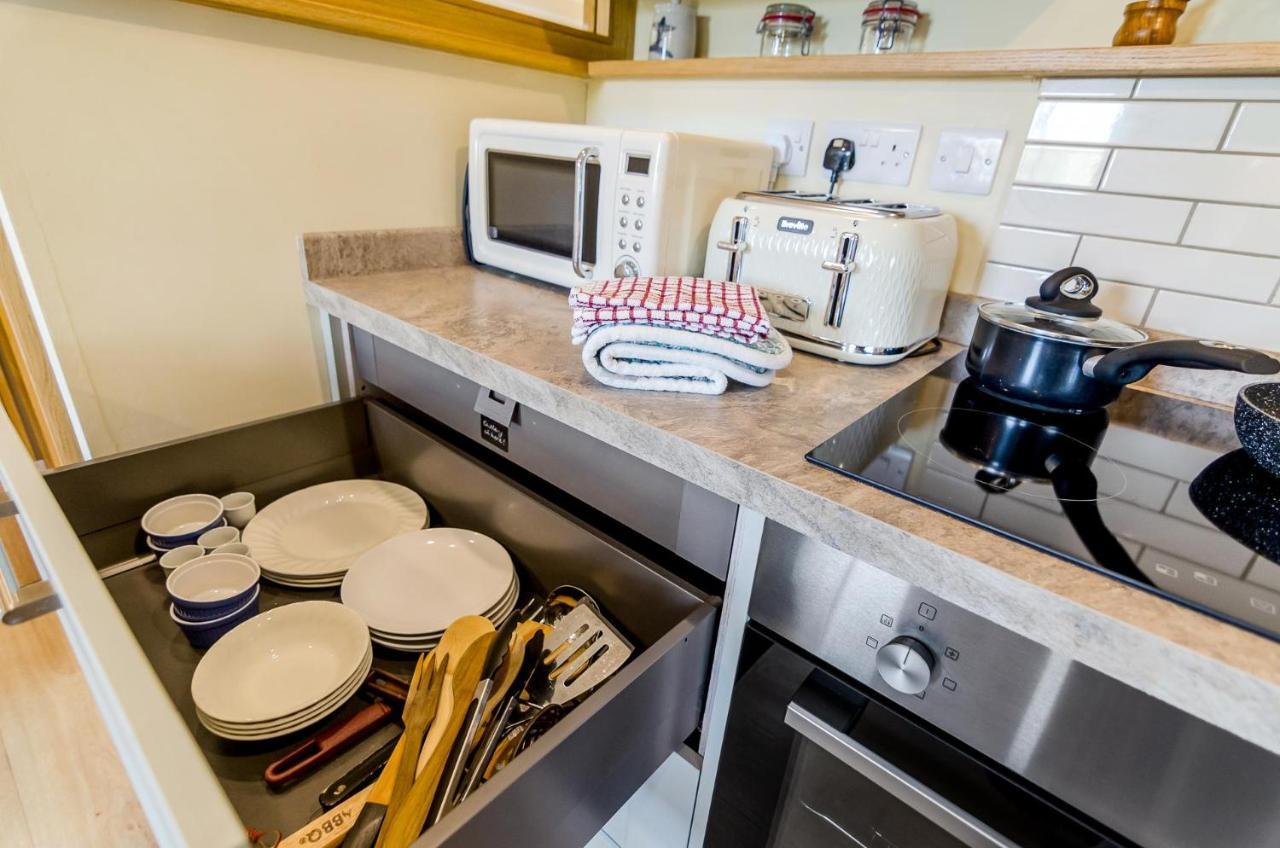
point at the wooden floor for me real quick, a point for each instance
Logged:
(61, 782)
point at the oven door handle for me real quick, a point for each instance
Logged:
(586, 156)
(894, 780)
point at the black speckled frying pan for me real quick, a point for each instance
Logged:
(1258, 423)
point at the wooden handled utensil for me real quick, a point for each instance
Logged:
(364, 831)
(329, 828)
(406, 822)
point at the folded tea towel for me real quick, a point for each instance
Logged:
(663, 359)
(712, 307)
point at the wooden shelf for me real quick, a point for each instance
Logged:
(1260, 58)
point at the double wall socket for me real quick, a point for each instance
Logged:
(883, 153)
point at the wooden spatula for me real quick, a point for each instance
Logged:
(419, 713)
(406, 823)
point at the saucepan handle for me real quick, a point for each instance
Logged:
(1130, 364)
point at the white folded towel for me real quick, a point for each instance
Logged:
(663, 359)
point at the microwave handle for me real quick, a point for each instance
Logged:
(894, 780)
(586, 156)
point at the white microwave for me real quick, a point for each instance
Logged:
(567, 202)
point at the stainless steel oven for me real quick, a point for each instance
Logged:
(812, 760)
(869, 712)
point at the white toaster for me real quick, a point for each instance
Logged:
(854, 280)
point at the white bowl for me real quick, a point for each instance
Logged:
(280, 662)
(213, 622)
(211, 539)
(177, 557)
(181, 518)
(232, 548)
(239, 508)
(212, 580)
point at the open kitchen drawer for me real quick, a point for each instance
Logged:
(200, 790)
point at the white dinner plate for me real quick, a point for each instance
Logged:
(283, 728)
(500, 611)
(280, 662)
(352, 684)
(420, 583)
(320, 531)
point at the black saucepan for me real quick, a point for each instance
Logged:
(1057, 351)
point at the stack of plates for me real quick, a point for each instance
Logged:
(281, 671)
(411, 588)
(308, 539)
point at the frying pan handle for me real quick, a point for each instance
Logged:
(326, 745)
(1130, 364)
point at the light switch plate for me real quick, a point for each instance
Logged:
(966, 161)
(883, 153)
(798, 136)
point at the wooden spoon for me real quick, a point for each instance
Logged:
(405, 825)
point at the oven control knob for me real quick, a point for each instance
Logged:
(906, 664)
(626, 268)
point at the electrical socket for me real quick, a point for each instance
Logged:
(883, 153)
(791, 138)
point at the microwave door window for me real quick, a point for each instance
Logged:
(531, 204)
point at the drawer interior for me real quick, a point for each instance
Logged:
(570, 781)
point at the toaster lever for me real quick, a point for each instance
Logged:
(736, 244)
(841, 267)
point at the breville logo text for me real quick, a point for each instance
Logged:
(803, 226)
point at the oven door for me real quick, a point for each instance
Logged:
(539, 199)
(813, 760)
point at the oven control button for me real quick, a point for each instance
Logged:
(626, 268)
(640, 201)
(906, 664)
(626, 198)
(623, 221)
(639, 224)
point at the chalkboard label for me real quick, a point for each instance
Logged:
(494, 433)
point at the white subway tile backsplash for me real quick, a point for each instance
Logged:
(1249, 229)
(1032, 248)
(1210, 88)
(1168, 189)
(1203, 176)
(1102, 214)
(1256, 129)
(1191, 126)
(1093, 87)
(1120, 301)
(1180, 268)
(1226, 320)
(1062, 167)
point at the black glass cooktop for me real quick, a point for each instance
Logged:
(1153, 491)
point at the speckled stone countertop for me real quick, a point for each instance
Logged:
(748, 445)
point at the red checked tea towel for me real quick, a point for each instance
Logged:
(712, 307)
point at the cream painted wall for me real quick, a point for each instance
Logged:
(741, 109)
(158, 161)
(727, 27)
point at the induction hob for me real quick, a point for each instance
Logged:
(1153, 490)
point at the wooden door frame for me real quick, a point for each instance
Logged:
(31, 393)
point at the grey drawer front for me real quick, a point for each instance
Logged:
(559, 792)
(684, 518)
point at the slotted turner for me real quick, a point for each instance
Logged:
(579, 654)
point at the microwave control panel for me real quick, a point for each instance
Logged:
(633, 254)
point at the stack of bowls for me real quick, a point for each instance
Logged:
(212, 594)
(181, 520)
